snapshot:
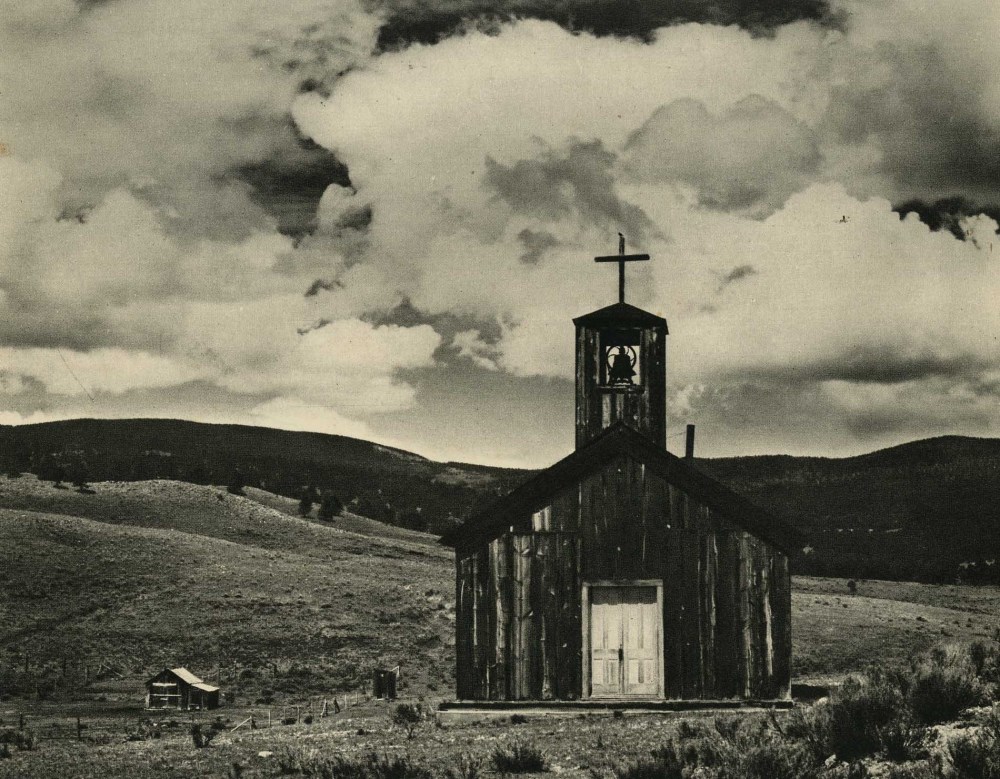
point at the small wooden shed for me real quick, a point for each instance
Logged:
(178, 688)
(623, 571)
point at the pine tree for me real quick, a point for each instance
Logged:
(306, 501)
(330, 506)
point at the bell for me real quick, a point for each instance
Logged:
(620, 370)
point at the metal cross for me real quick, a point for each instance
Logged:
(621, 258)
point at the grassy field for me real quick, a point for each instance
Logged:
(572, 746)
(885, 622)
(145, 574)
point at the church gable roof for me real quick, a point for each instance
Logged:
(622, 314)
(621, 439)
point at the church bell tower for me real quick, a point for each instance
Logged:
(621, 365)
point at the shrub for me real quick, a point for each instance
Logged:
(518, 757)
(944, 682)
(22, 740)
(518, 719)
(858, 712)
(467, 767)
(847, 771)
(369, 767)
(902, 740)
(918, 770)
(201, 738)
(663, 764)
(407, 716)
(735, 749)
(975, 756)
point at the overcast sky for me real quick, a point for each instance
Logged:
(378, 217)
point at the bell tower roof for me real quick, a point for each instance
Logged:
(621, 314)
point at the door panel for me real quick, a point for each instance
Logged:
(606, 641)
(625, 641)
(641, 643)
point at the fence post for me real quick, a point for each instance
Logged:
(79, 730)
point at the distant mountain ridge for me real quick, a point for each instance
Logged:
(925, 510)
(383, 482)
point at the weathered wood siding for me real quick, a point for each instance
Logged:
(533, 594)
(726, 604)
(642, 407)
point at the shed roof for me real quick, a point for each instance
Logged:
(181, 673)
(622, 439)
(620, 314)
(186, 675)
(205, 687)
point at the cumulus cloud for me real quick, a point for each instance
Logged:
(752, 156)
(757, 171)
(471, 345)
(148, 207)
(87, 373)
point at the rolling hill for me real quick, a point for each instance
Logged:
(380, 482)
(928, 510)
(920, 511)
(140, 575)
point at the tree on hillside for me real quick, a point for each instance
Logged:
(77, 469)
(330, 506)
(10, 465)
(306, 501)
(236, 482)
(51, 468)
(414, 520)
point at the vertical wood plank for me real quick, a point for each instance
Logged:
(500, 567)
(673, 614)
(492, 619)
(481, 635)
(690, 574)
(781, 608)
(727, 645)
(707, 616)
(463, 628)
(533, 645)
(746, 659)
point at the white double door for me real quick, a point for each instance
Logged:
(625, 641)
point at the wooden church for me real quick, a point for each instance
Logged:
(622, 572)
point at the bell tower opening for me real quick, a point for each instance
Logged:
(621, 365)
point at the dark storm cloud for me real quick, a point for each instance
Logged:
(927, 121)
(738, 273)
(557, 185)
(871, 365)
(412, 21)
(405, 314)
(322, 285)
(290, 182)
(536, 243)
(947, 213)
